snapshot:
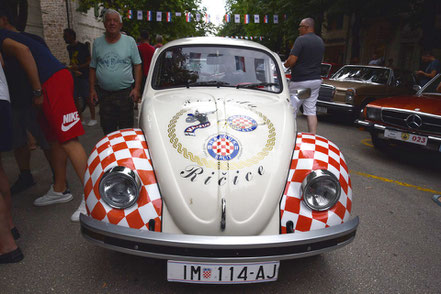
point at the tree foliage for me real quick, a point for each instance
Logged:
(178, 28)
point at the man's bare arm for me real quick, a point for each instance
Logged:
(24, 56)
(291, 61)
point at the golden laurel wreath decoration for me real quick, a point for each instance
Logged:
(222, 165)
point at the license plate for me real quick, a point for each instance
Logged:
(321, 109)
(222, 273)
(406, 137)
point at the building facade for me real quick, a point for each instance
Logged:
(395, 40)
(48, 19)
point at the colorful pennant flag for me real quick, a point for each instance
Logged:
(237, 18)
(178, 14)
(227, 18)
(198, 17)
(207, 18)
(256, 18)
(139, 16)
(129, 14)
(246, 19)
(168, 16)
(158, 16)
(265, 19)
(188, 17)
(276, 18)
(149, 15)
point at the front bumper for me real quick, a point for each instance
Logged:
(197, 248)
(433, 142)
(337, 107)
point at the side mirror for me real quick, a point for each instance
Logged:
(304, 93)
(416, 88)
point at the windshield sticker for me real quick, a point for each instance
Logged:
(242, 123)
(201, 118)
(223, 147)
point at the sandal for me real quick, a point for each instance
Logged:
(12, 257)
(15, 233)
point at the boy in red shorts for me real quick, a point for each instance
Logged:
(53, 92)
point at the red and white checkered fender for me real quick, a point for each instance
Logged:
(314, 152)
(123, 148)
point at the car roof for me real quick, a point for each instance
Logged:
(222, 41)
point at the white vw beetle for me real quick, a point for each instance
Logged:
(217, 181)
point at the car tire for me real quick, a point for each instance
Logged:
(377, 142)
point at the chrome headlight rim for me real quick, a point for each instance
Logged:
(318, 175)
(126, 173)
(349, 97)
(373, 113)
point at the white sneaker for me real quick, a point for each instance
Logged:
(92, 122)
(52, 197)
(81, 209)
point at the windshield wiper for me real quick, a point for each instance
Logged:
(256, 85)
(208, 83)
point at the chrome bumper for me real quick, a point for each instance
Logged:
(337, 106)
(199, 248)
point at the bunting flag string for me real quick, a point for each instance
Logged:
(207, 18)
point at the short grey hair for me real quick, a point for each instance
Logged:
(308, 22)
(112, 11)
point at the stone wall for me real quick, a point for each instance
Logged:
(51, 18)
(54, 17)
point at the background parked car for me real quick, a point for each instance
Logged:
(411, 119)
(352, 87)
(328, 69)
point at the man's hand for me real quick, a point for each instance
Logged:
(93, 96)
(135, 95)
(38, 100)
(419, 72)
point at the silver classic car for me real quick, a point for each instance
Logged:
(217, 181)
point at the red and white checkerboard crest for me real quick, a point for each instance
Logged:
(223, 147)
(123, 148)
(242, 123)
(206, 272)
(314, 152)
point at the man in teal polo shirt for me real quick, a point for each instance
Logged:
(114, 59)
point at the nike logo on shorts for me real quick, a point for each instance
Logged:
(69, 120)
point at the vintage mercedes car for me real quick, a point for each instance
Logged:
(351, 88)
(216, 180)
(408, 119)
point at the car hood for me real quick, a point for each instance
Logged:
(427, 104)
(219, 147)
(361, 88)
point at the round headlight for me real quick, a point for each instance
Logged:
(119, 187)
(321, 190)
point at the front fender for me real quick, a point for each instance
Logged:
(124, 148)
(314, 152)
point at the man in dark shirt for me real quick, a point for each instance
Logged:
(432, 69)
(305, 60)
(79, 55)
(146, 52)
(24, 115)
(53, 93)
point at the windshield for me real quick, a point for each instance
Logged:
(216, 66)
(430, 88)
(364, 74)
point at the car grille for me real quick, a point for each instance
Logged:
(428, 123)
(326, 92)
